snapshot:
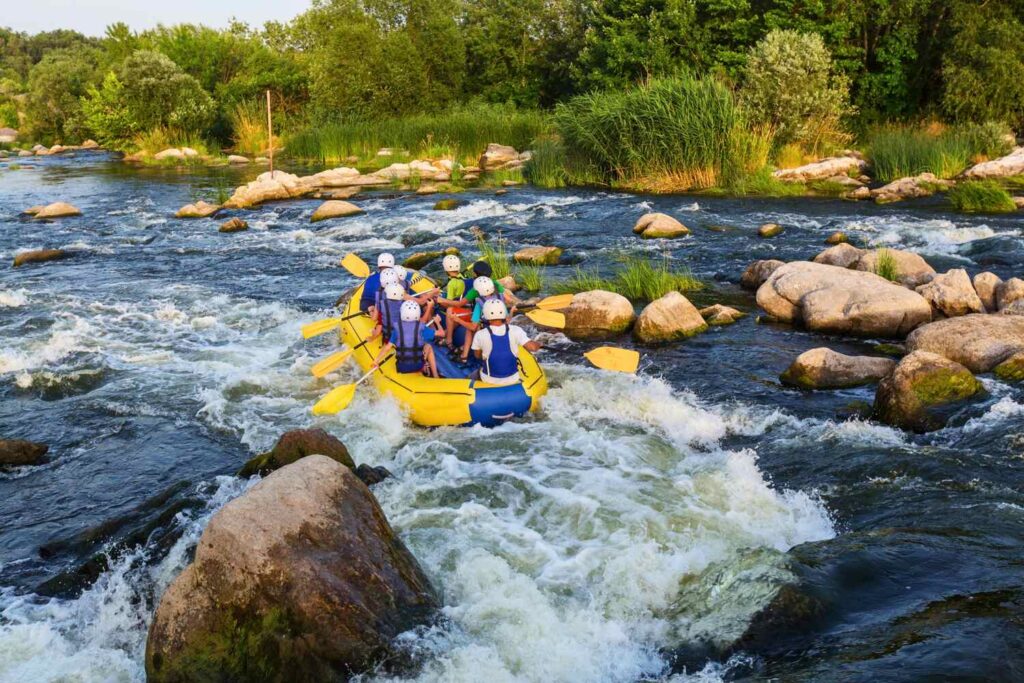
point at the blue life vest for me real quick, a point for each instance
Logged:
(370, 289)
(501, 362)
(390, 313)
(409, 349)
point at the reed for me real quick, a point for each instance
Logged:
(530, 278)
(886, 265)
(981, 196)
(496, 254)
(900, 151)
(637, 278)
(249, 128)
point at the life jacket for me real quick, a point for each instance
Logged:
(409, 349)
(501, 362)
(370, 289)
(390, 313)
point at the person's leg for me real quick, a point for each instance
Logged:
(449, 328)
(428, 356)
(470, 332)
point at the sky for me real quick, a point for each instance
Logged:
(91, 17)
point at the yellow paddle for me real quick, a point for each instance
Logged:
(355, 265)
(334, 361)
(319, 327)
(547, 318)
(552, 303)
(337, 399)
(612, 358)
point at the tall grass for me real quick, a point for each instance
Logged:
(159, 139)
(497, 256)
(529, 277)
(900, 151)
(249, 129)
(981, 196)
(637, 279)
(547, 166)
(886, 266)
(461, 133)
(670, 134)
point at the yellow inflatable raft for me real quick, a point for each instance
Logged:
(437, 402)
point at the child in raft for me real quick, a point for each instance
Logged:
(498, 344)
(484, 289)
(373, 285)
(410, 340)
(457, 314)
(389, 301)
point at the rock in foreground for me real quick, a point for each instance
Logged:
(301, 578)
(823, 368)
(597, 313)
(669, 318)
(952, 294)
(921, 385)
(294, 445)
(833, 299)
(979, 342)
(18, 452)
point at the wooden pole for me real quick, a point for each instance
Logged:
(270, 136)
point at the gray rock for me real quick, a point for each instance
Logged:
(823, 368)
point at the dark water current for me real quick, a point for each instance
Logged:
(628, 531)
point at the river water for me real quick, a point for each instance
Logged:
(629, 529)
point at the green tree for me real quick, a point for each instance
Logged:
(55, 87)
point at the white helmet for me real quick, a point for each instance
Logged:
(386, 260)
(495, 310)
(452, 263)
(410, 311)
(401, 271)
(388, 277)
(484, 285)
(394, 292)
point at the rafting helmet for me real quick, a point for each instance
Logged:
(495, 310)
(386, 260)
(452, 264)
(410, 311)
(394, 292)
(401, 271)
(388, 277)
(484, 286)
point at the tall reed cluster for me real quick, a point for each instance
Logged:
(905, 150)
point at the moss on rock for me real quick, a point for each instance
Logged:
(1011, 369)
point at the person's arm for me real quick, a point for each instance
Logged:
(523, 340)
(384, 351)
(532, 346)
(478, 344)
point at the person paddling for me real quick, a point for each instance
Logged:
(372, 285)
(410, 340)
(498, 345)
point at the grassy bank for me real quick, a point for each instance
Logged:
(905, 150)
(981, 196)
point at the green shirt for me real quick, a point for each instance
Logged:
(473, 294)
(456, 288)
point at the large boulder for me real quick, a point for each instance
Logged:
(272, 185)
(979, 342)
(300, 578)
(335, 208)
(659, 226)
(39, 256)
(1010, 165)
(822, 170)
(911, 269)
(295, 445)
(823, 368)
(832, 299)
(539, 256)
(921, 385)
(597, 313)
(18, 452)
(58, 210)
(200, 209)
(669, 318)
(985, 285)
(952, 294)
(497, 157)
(1009, 291)
(923, 185)
(759, 271)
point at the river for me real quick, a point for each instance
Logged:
(611, 537)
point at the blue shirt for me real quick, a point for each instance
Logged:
(427, 334)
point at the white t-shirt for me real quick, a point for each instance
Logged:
(482, 342)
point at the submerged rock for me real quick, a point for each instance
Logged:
(372, 475)
(952, 294)
(659, 226)
(1010, 165)
(39, 256)
(669, 318)
(718, 314)
(300, 578)
(33, 210)
(759, 271)
(18, 452)
(200, 209)
(597, 313)
(234, 224)
(833, 299)
(334, 208)
(295, 445)
(921, 383)
(447, 204)
(538, 256)
(58, 210)
(823, 368)
(985, 285)
(979, 342)
(822, 170)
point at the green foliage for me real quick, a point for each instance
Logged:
(983, 68)
(886, 266)
(900, 151)
(547, 166)
(496, 255)
(8, 115)
(55, 85)
(530, 278)
(637, 279)
(790, 84)
(981, 196)
(762, 183)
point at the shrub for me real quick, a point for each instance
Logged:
(981, 196)
(55, 86)
(790, 83)
(886, 265)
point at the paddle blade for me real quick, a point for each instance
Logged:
(320, 327)
(355, 265)
(556, 303)
(330, 363)
(335, 400)
(547, 318)
(615, 359)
